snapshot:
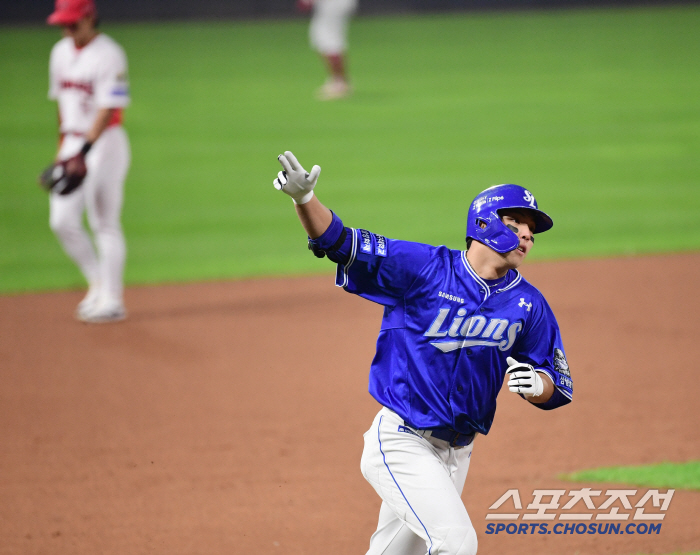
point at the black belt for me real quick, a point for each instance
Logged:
(454, 438)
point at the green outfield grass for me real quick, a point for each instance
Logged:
(662, 475)
(595, 110)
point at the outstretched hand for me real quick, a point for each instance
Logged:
(294, 180)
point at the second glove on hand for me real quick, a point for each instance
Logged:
(295, 180)
(523, 379)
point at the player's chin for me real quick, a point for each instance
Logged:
(516, 257)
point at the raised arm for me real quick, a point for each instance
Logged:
(314, 216)
(299, 184)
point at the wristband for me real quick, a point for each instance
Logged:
(304, 199)
(86, 148)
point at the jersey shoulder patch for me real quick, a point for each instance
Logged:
(373, 244)
(560, 363)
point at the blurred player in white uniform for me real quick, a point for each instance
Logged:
(328, 34)
(88, 79)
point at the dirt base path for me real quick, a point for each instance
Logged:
(227, 418)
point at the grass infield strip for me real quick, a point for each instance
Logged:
(663, 475)
(595, 110)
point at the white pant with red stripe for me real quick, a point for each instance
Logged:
(420, 481)
(101, 196)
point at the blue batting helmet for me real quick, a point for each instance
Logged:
(484, 211)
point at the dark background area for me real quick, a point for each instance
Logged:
(36, 11)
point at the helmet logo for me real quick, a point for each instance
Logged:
(478, 203)
(530, 198)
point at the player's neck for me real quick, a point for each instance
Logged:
(82, 40)
(487, 263)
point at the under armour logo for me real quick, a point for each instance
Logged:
(523, 303)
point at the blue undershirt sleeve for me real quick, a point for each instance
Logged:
(556, 400)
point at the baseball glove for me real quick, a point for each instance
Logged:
(64, 177)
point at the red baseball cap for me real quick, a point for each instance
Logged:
(68, 12)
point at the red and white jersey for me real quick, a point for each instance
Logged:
(85, 80)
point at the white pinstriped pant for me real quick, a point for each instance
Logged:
(420, 482)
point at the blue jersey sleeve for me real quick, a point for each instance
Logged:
(380, 269)
(333, 242)
(370, 265)
(541, 345)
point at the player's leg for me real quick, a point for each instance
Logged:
(393, 536)
(420, 481)
(66, 221)
(108, 162)
(328, 35)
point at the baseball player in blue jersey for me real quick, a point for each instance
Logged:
(455, 324)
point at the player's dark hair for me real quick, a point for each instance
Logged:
(469, 242)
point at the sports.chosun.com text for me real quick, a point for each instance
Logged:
(572, 528)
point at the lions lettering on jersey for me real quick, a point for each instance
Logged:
(486, 332)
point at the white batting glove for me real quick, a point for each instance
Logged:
(524, 379)
(295, 180)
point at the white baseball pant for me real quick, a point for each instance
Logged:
(328, 30)
(101, 195)
(420, 482)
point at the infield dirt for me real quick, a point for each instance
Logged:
(227, 418)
